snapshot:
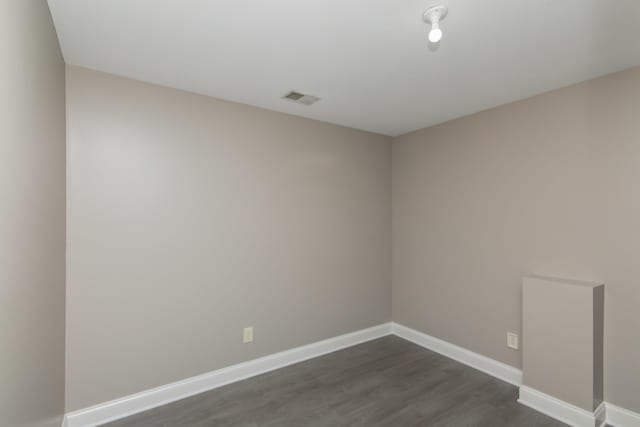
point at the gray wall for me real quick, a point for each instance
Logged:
(190, 218)
(32, 216)
(549, 185)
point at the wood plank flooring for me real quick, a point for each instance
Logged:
(386, 382)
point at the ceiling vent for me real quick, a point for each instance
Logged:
(301, 98)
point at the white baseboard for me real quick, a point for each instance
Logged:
(620, 417)
(135, 403)
(482, 363)
(600, 414)
(555, 408)
(559, 409)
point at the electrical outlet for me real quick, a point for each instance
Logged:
(512, 340)
(248, 334)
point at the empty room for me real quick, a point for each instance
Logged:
(319, 213)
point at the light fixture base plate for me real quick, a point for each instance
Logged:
(439, 11)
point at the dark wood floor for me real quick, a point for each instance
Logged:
(386, 382)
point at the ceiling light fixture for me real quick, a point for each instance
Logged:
(433, 16)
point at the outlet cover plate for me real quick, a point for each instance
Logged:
(512, 340)
(247, 334)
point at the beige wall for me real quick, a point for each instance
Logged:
(32, 217)
(190, 218)
(562, 328)
(549, 185)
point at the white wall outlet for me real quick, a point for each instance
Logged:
(512, 340)
(247, 335)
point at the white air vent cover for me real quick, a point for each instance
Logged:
(301, 98)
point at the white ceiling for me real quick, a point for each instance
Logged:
(368, 60)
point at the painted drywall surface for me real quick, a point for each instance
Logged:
(32, 217)
(561, 330)
(190, 218)
(548, 185)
